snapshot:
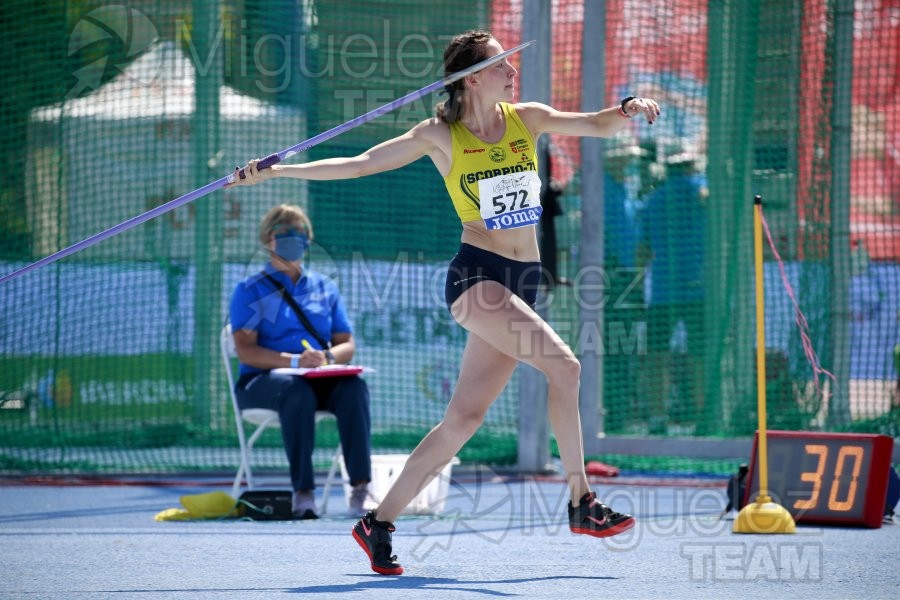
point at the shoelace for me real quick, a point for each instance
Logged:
(605, 510)
(610, 513)
(384, 549)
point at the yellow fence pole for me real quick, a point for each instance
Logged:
(763, 515)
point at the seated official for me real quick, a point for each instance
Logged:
(270, 333)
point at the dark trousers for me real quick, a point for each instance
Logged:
(296, 400)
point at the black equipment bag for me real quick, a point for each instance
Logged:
(266, 505)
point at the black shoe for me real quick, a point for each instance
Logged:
(592, 517)
(374, 537)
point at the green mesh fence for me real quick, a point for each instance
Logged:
(109, 359)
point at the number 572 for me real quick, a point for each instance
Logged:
(520, 195)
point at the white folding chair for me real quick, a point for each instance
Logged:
(261, 419)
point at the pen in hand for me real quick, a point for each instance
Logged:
(329, 357)
(308, 346)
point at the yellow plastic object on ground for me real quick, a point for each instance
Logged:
(211, 505)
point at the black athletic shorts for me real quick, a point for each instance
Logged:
(472, 265)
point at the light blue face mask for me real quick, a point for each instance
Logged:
(291, 245)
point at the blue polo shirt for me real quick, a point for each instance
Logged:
(257, 305)
(674, 225)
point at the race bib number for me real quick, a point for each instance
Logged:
(511, 200)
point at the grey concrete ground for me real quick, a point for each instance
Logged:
(496, 538)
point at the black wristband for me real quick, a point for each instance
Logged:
(623, 103)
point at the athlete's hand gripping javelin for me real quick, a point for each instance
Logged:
(252, 175)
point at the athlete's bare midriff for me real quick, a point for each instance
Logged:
(516, 244)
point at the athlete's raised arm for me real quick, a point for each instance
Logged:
(540, 118)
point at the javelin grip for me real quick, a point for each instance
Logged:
(272, 159)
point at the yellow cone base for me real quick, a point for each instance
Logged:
(764, 516)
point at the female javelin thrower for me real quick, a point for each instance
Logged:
(484, 147)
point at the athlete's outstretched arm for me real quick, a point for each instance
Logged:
(392, 154)
(540, 118)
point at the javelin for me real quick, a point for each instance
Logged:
(265, 163)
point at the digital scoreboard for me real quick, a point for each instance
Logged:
(827, 478)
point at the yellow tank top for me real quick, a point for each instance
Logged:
(475, 161)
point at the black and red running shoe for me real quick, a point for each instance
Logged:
(374, 537)
(592, 517)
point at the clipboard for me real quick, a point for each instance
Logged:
(325, 371)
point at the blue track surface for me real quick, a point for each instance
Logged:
(497, 538)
